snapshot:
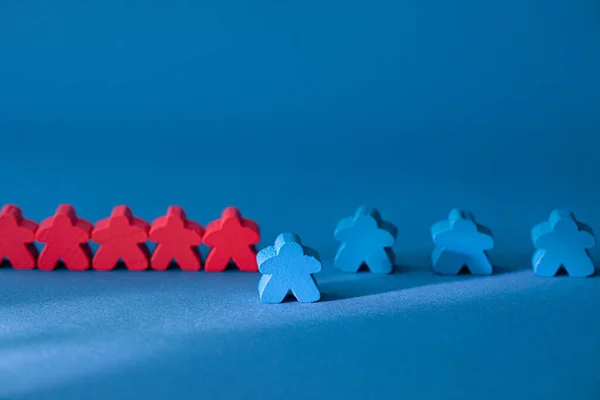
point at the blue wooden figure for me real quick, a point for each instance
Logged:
(461, 242)
(288, 267)
(366, 240)
(562, 241)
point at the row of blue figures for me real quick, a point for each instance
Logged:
(460, 244)
(288, 267)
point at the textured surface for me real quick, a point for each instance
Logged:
(409, 334)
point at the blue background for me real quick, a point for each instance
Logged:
(297, 112)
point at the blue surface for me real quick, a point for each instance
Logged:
(411, 107)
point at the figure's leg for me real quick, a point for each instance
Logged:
(137, 258)
(246, 260)
(20, 257)
(105, 258)
(271, 290)
(480, 264)
(78, 259)
(544, 264)
(161, 258)
(380, 262)
(217, 260)
(346, 259)
(580, 266)
(306, 289)
(446, 261)
(49, 257)
(189, 259)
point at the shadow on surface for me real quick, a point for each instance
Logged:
(348, 286)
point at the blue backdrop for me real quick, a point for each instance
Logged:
(297, 112)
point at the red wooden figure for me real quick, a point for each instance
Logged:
(122, 237)
(231, 238)
(66, 237)
(177, 239)
(16, 238)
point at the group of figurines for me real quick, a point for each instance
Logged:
(459, 243)
(287, 267)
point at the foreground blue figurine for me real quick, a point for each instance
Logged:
(288, 267)
(461, 242)
(366, 240)
(562, 241)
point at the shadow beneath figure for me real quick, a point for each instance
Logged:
(347, 286)
(562, 271)
(120, 266)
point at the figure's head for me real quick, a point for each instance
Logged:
(366, 222)
(65, 215)
(121, 216)
(288, 243)
(563, 221)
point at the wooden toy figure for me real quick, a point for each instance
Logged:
(366, 240)
(177, 239)
(16, 238)
(288, 267)
(461, 242)
(122, 237)
(231, 238)
(66, 238)
(562, 241)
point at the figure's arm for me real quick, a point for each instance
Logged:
(442, 238)
(312, 265)
(193, 237)
(156, 235)
(252, 236)
(438, 229)
(99, 235)
(43, 234)
(386, 238)
(83, 235)
(26, 234)
(539, 232)
(544, 241)
(268, 266)
(211, 235)
(487, 242)
(139, 234)
(342, 228)
(391, 228)
(587, 240)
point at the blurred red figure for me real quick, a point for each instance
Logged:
(232, 238)
(177, 239)
(66, 237)
(16, 238)
(122, 237)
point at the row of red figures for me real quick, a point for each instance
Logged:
(123, 237)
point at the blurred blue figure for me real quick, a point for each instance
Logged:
(461, 242)
(288, 267)
(366, 239)
(562, 241)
